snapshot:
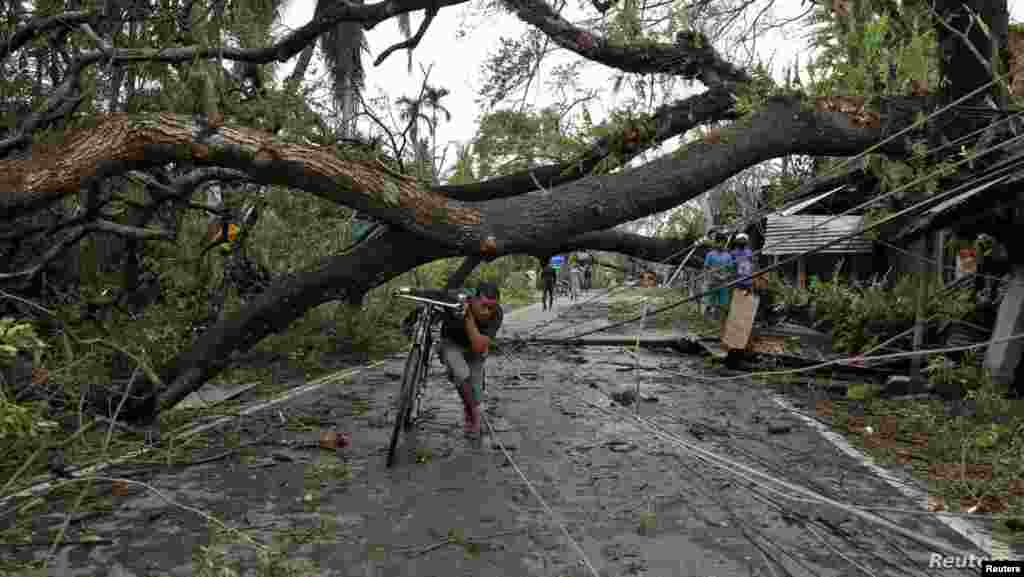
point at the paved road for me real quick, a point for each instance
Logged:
(635, 503)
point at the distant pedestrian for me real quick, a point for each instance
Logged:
(588, 276)
(574, 282)
(549, 277)
(718, 266)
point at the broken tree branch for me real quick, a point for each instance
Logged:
(692, 56)
(668, 121)
(103, 225)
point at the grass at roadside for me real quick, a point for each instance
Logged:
(628, 303)
(969, 456)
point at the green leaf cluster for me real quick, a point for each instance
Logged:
(508, 141)
(856, 50)
(966, 375)
(17, 422)
(620, 125)
(624, 25)
(17, 336)
(753, 95)
(847, 311)
(509, 67)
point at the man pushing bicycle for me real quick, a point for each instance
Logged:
(465, 338)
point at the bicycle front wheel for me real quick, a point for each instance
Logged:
(406, 396)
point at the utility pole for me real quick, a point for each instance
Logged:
(916, 383)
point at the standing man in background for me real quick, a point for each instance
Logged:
(718, 268)
(743, 259)
(549, 278)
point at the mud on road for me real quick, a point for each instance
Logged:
(636, 503)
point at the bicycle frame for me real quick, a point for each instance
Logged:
(422, 336)
(415, 375)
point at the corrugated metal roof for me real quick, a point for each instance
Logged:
(803, 232)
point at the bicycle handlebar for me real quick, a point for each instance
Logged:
(432, 296)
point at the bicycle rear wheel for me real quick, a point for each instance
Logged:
(406, 396)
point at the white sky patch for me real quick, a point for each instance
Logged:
(460, 38)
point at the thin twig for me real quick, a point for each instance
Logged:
(28, 462)
(174, 503)
(417, 550)
(23, 300)
(40, 544)
(106, 446)
(411, 42)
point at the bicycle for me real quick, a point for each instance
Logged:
(417, 364)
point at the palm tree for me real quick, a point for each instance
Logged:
(432, 99)
(413, 110)
(343, 47)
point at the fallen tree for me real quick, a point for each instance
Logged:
(543, 211)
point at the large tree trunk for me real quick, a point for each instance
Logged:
(349, 109)
(288, 299)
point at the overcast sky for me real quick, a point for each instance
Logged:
(460, 38)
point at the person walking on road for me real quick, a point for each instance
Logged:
(574, 282)
(549, 278)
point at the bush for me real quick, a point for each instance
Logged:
(854, 314)
(18, 422)
(966, 375)
(16, 337)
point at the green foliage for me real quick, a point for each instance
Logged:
(508, 141)
(648, 523)
(17, 336)
(18, 422)
(215, 560)
(753, 96)
(855, 50)
(22, 427)
(862, 391)
(848, 310)
(966, 375)
(624, 24)
(874, 215)
(684, 222)
(508, 69)
(623, 127)
(962, 456)
(462, 172)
